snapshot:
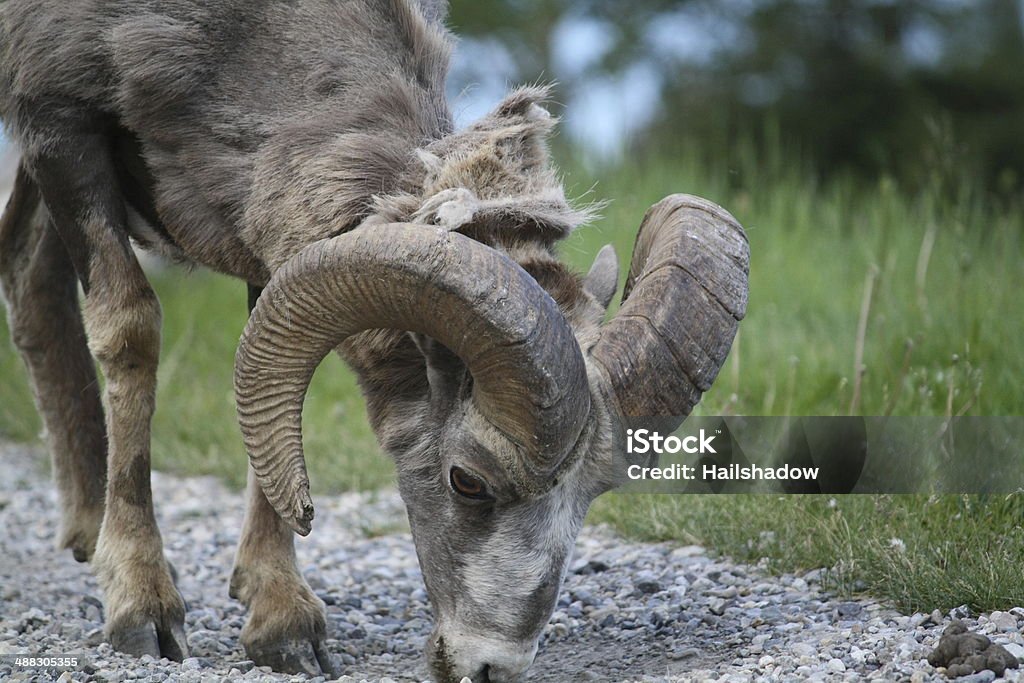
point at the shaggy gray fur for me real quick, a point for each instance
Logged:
(237, 103)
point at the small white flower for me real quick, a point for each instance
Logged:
(897, 544)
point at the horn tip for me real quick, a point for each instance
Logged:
(301, 526)
(301, 519)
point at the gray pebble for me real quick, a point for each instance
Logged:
(850, 609)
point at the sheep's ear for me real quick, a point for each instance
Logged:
(527, 101)
(444, 369)
(603, 278)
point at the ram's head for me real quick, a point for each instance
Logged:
(521, 422)
(496, 386)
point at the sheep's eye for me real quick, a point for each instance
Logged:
(468, 485)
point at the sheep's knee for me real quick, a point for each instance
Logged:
(124, 336)
(124, 333)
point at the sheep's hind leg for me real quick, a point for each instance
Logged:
(287, 622)
(76, 176)
(39, 284)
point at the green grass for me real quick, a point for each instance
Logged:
(917, 552)
(942, 336)
(812, 250)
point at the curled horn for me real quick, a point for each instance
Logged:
(684, 297)
(529, 377)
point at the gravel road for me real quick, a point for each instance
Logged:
(628, 612)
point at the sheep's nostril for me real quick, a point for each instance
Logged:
(484, 675)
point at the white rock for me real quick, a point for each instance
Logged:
(1015, 649)
(191, 664)
(1003, 621)
(836, 665)
(804, 650)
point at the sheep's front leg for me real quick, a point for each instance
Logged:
(143, 609)
(287, 622)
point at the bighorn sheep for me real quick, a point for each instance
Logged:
(307, 148)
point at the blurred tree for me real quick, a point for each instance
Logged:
(913, 88)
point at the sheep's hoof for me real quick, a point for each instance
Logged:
(299, 656)
(153, 639)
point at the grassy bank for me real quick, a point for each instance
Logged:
(920, 553)
(921, 289)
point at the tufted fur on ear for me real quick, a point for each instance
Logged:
(492, 181)
(504, 153)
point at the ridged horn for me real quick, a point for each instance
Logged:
(529, 377)
(684, 297)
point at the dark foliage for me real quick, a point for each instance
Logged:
(911, 88)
